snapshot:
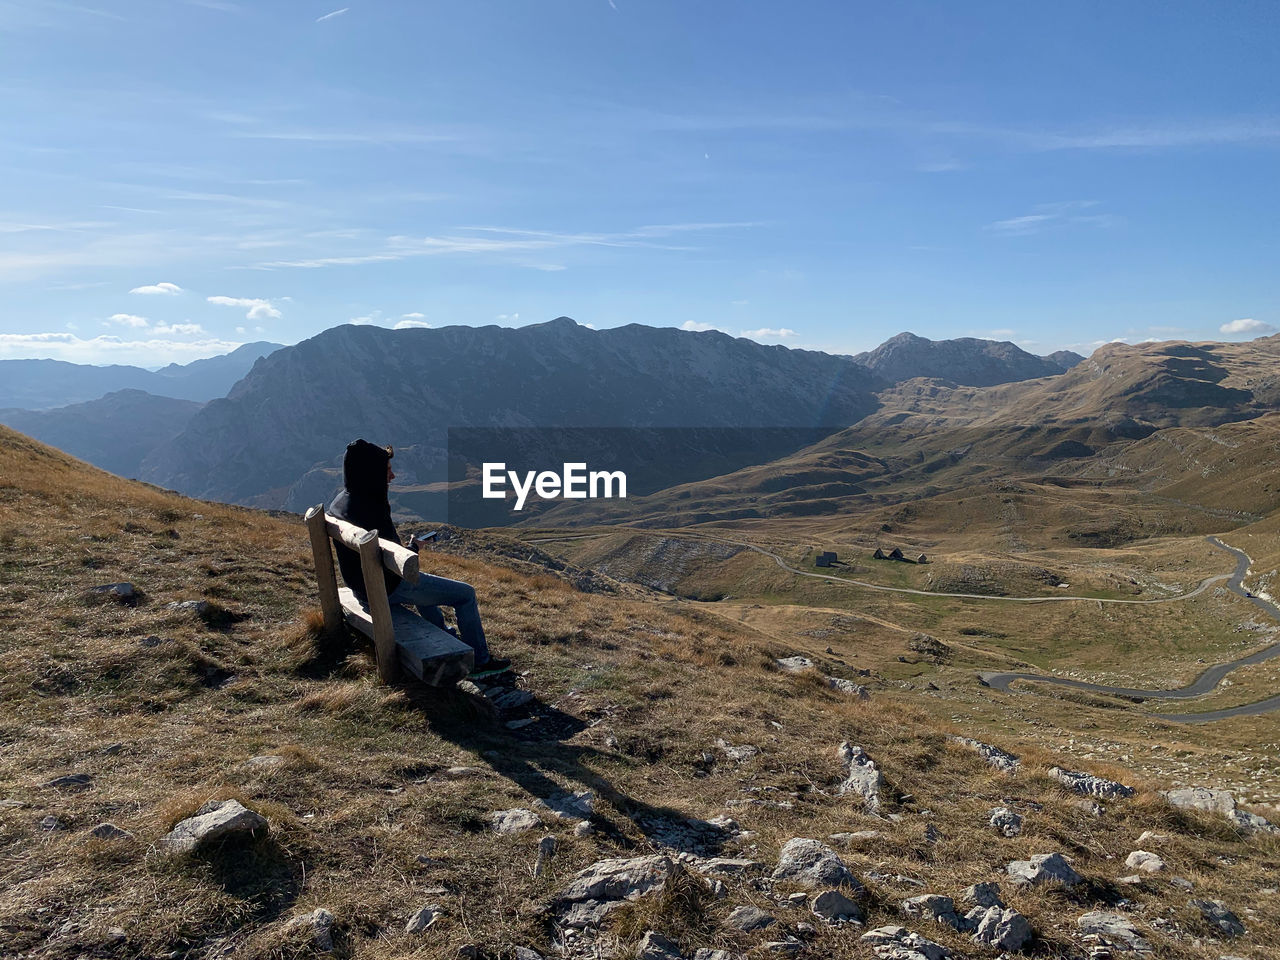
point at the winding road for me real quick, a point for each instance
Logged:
(1205, 683)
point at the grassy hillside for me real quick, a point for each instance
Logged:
(378, 798)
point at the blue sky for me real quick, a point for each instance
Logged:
(180, 177)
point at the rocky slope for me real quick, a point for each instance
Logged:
(299, 407)
(220, 780)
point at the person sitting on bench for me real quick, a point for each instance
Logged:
(366, 475)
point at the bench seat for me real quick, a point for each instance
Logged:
(434, 656)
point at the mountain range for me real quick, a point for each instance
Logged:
(968, 361)
(43, 384)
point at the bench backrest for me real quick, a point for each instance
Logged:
(375, 554)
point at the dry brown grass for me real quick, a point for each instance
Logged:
(364, 820)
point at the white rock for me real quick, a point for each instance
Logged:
(1006, 822)
(1216, 915)
(1090, 785)
(995, 757)
(899, 943)
(795, 664)
(739, 754)
(515, 820)
(849, 687)
(421, 920)
(862, 776)
(813, 864)
(1004, 929)
(1144, 861)
(214, 823)
(1115, 928)
(1043, 868)
(654, 946)
(833, 907)
(983, 894)
(748, 919)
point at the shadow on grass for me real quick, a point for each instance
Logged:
(260, 872)
(533, 762)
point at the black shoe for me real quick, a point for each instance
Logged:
(492, 667)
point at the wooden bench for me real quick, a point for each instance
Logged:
(401, 638)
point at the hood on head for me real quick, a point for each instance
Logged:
(364, 468)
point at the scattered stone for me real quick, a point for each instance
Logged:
(796, 899)
(899, 943)
(1092, 807)
(1130, 881)
(791, 946)
(654, 946)
(706, 953)
(527, 953)
(515, 820)
(318, 923)
(1182, 883)
(1004, 929)
(74, 782)
(512, 699)
(983, 894)
(546, 850)
(109, 831)
(795, 664)
(748, 919)
(1150, 837)
(848, 686)
(1006, 822)
(123, 592)
(1115, 929)
(933, 907)
(862, 776)
(995, 757)
(1217, 916)
(468, 951)
(814, 864)
(1144, 861)
(570, 806)
(521, 723)
(421, 920)
(583, 829)
(199, 607)
(834, 907)
(739, 754)
(1043, 868)
(1220, 802)
(1090, 785)
(215, 822)
(932, 834)
(605, 885)
(51, 823)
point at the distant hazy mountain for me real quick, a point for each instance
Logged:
(1066, 359)
(43, 384)
(967, 361)
(297, 409)
(113, 432)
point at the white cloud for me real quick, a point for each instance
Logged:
(507, 317)
(183, 329)
(1247, 325)
(768, 333)
(694, 326)
(257, 309)
(365, 320)
(739, 303)
(413, 316)
(1052, 215)
(408, 324)
(589, 326)
(129, 320)
(330, 16)
(108, 349)
(161, 288)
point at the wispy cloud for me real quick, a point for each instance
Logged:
(410, 323)
(484, 240)
(1053, 214)
(696, 326)
(1247, 325)
(379, 136)
(258, 309)
(330, 16)
(183, 329)
(162, 288)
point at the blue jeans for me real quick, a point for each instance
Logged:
(430, 593)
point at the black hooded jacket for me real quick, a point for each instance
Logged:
(363, 501)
